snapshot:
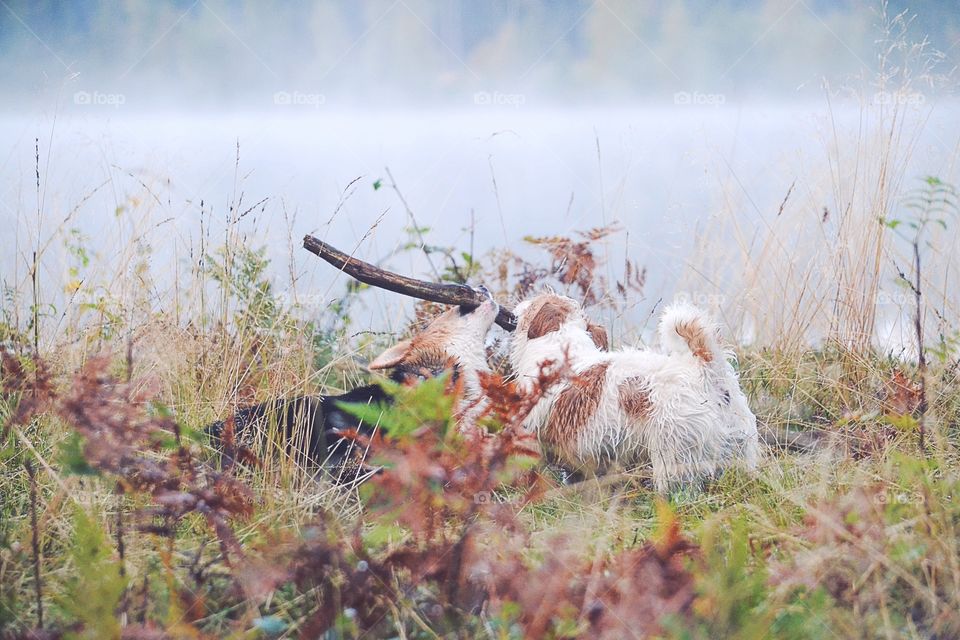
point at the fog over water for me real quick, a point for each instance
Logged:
(495, 123)
(662, 172)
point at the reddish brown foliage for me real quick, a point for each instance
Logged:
(508, 404)
(626, 595)
(451, 501)
(634, 279)
(33, 384)
(441, 491)
(901, 395)
(846, 535)
(574, 262)
(127, 437)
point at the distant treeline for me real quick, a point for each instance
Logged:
(218, 52)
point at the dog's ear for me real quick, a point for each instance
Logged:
(392, 356)
(599, 336)
(547, 319)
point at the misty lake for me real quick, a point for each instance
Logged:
(485, 176)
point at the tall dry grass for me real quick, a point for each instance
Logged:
(821, 266)
(856, 538)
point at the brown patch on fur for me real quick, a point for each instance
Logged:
(599, 336)
(574, 407)
(549, 317)
(697, 339)
(634, 398)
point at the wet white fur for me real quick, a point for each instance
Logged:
(467, 344)
(690, 432)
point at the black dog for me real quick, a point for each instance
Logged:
(312, 428)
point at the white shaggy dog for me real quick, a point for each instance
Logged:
(679, 409)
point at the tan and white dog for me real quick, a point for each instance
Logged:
(680, 409)
(455, 340)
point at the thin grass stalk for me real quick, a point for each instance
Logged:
(35, 541)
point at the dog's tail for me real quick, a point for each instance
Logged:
(685, 328)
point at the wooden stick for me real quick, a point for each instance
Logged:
(445, 293)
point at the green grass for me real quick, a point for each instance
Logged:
(855, 538)
(782, 551)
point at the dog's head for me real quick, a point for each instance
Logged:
(554, 322)
(454, 339)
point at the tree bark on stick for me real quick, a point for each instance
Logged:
(445, 293)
